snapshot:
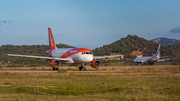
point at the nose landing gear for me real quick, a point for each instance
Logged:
(82, 67)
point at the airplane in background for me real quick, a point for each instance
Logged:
(151, 59)
(58, 56)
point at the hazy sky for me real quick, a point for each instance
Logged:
(87, 23)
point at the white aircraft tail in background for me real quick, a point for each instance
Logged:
(151, 59)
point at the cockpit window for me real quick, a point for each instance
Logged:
(86, 53)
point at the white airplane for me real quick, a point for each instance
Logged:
(151, 59)
(58, 56)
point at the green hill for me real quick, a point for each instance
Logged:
(127, 45)
(27, 50)
(133, 44)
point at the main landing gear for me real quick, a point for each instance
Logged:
(151, 63)
(54, 69)
(82, 67)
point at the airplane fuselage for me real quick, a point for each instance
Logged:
(146, 59)
(74, 55)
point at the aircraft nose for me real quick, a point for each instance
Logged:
(88, 58)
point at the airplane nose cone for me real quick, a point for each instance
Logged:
(88, 58)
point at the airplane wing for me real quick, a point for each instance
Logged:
(37, 57)
(100, 57)
(167, 59)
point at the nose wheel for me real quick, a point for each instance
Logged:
(82, 67)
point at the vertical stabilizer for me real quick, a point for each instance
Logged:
(51, 39)
(158, 52)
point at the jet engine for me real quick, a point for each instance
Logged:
(96, 63)
(55, 63)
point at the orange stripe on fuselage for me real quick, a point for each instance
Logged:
(74, 51)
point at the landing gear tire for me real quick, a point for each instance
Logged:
(82, 68)
(57, 69)
(54, 69)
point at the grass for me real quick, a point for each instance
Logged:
(62, 71)
(159, 83)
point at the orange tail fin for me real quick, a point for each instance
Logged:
(51, 40)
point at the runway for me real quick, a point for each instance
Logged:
(88, 69)
(27, 71)
(50, 71)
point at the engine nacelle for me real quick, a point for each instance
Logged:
(96, 63)
(55, 63)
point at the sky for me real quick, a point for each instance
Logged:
(86, 23)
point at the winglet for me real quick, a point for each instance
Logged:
(51, 39)
(3, 54)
